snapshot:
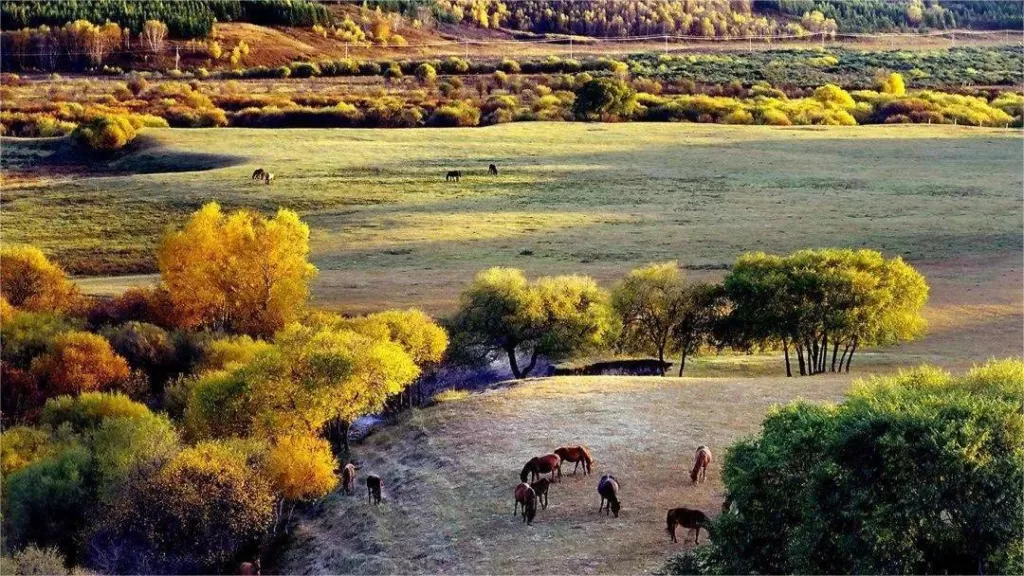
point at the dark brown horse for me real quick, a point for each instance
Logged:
(689, 519)
(348, 478)
(540, 488)
(250, 568)
(492, 170)
(700, 464)
(453, 175)
(542, 465)
(258, 174)
(373, 486)
(577, 454)
(608, 488)
(528, 498)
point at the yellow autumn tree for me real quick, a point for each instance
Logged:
(29, 281)
(240, 272)
(79, 362)
(301, 467)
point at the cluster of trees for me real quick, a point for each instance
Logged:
(914, 473)
(184, 18)
(706, 18)
(199, 411)
(815, 302)
(882, 16)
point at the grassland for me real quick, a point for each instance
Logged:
(387, 230)
(449, 471)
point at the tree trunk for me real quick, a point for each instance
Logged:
(812, 353)
(682, 363)
(842, 359)
(661, 360)
(800, 358)
(533, 362)
(513, 363)
(850, 357)
(345, 426)
(824, 353)
(835, 352)
(785, 352)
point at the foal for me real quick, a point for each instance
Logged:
(540, 488)
(700, 464)
(528, 498)
(690, 519)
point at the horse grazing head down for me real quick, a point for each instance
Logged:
(528, 498)
(529, 467)
(608, 488)
(700, 463)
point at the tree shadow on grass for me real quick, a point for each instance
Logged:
(146, 155)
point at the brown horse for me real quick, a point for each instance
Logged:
(690, 519)
(453, 175)
(700, 464)
(608, 488)
(542, 465)
(528, 498)
(577, 454)
(348, 478)
(540, 488)
(373, 486)
(492, 170)
(250, 568)
(258, 174)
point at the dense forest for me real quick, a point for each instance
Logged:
(184, 19)
(884, 16)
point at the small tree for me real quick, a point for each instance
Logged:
(31, 282)
(604, 99)
(501, 312)
(426, 73)
(154, 33)
(697, 325)
(79, 362)
(650, 301)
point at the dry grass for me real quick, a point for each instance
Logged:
(449, 471)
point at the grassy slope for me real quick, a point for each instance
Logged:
(449, 471)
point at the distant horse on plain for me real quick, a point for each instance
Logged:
(492, 170)
(258, 174)
(453, 175)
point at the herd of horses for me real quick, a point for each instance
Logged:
(266, 177)
(529, 494)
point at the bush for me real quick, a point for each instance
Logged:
(21, 446)
(454, 65)
(426, 73)
(107, 132)
(37, 561)
(456, 114)
(86, 412)
(31, 282)
(79, 362)
(302, 467)
(919, 472)
(509, 66)
(303, 70)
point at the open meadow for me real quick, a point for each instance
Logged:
(388, 230)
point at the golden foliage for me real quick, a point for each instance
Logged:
(302, 467)
(31, 282)
(79, 362)
(241, 271)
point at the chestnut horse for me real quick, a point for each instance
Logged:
(250, 568)
(700, 464)
(690, 519)
(540, 488)
(542, 465)
(608, 488)
(528, 498)
(348, 478)
(577, 454)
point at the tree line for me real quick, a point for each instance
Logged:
(821, 305)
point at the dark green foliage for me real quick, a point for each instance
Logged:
(915, 473)
(604, 99)
(184, 18)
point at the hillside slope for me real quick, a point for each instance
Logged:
(449, 471)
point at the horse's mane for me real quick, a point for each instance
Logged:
(526, 469)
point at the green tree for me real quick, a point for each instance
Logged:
(650, 302)
(501, 312)
(604, 99)
(914, 473)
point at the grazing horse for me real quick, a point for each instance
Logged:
(453, 175)
(690, 519)
(542, 465)
(373, 486)
(540, 488)
(492, 170)
(528, 498)
(250, 568)
(700, 464)
(348, 478)
(268, 177)
(258, 174)
(608, 488)
(577, 454)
